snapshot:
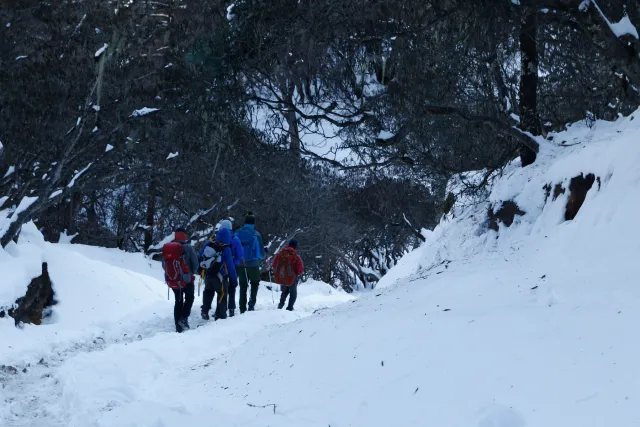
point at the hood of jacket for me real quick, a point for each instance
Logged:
(224, 236)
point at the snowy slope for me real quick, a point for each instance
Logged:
(532, 325)
(94, 292)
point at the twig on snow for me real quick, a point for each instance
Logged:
(263, 406)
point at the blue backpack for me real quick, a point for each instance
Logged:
(250, 244)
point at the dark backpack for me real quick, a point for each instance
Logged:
(176, 272)
(284, 273)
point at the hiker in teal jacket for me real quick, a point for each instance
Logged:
(249, 270)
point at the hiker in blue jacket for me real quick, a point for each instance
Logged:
(238, 259)
(249, 269)
(217, 258)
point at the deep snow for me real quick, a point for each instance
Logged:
(533, 325)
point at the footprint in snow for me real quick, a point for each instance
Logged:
(496, 415)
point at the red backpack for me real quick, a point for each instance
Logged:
(284, 272)
(176, 272)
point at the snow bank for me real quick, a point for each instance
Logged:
(93, 287)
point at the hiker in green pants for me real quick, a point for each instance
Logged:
(249, 272)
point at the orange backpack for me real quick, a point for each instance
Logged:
(284, 273)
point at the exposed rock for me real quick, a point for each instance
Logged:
(32, 307)
(505, 214)
(578, 189)
(448, 203)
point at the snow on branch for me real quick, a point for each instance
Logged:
(78, 175)
(23, 206)
(201, 214)
(144, 111)
(406, 220)
(384, 135)
(622, 27)
(100, 51)
(173, 155)
(55, 194)
(10, 171)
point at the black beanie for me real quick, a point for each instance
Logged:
(293, 243)
(250, 219)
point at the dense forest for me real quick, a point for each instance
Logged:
(339, 122)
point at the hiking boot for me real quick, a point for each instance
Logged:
(251, 308)
(179, 328)
(184, 323)
(280, 306)
(219, 318)
(231, 312)
(205, 315)
(289, 308)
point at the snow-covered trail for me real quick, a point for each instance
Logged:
(112, 329)
(111, 367)
(30, 391)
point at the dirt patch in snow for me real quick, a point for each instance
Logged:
(506, 214)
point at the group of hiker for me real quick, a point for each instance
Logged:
(226, 259)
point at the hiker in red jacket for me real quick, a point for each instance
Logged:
(287, 266)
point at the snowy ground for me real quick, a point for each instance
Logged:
(112, 331)
(533, 325)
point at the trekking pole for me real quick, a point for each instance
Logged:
(271, 286)
(201, 280)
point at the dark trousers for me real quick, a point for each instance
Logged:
(291, 292)
(231, 287)
(248, 275)
(184, 302)
(214, 285)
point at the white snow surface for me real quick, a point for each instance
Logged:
(100, 51)
(533, 325)
(78, 175)
(55, 194)
(10, 171)
(173, 155)
(385, 134)
(624, 27)
(620, 28)
(144, 111)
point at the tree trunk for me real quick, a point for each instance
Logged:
(294, 133)
(75, 204)
(287, 88)
(151, 214)
(529, 120)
